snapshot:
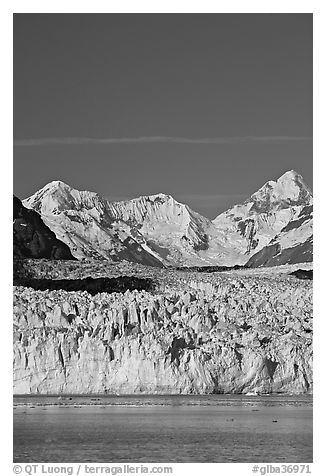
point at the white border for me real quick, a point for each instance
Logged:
(167, 6)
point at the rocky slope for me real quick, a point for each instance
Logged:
(254, 224)
(157, 230)
(152, 230)
(294, 244)
(211, 333)
(32, 238)
(169, 227)
(179, 235)
(81, 220)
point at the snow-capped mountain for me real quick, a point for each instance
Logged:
(153, 229)
(294, 244)
(158, 230)
(252, 225)
(82, 221)
(170, 228)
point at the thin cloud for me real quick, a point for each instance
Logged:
(160, 139)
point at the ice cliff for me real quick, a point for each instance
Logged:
(230, 335)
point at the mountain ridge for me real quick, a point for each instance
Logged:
(168, 231)
(263, 215)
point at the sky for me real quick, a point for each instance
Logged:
(205, 107)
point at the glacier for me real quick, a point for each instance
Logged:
(232, 333)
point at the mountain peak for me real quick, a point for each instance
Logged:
(56, 184)
(291, 172)
(58, 196)
(156, 196)
(287, 191)
(291, 175)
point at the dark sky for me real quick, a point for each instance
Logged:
(239, 83)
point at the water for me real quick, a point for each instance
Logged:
(179, 429)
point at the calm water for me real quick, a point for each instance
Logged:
(215, 428)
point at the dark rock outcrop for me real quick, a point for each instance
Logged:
(209, 269)
(120, 284)
(303, 273)
(33, 239)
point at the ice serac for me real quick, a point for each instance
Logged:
(82, 220)
(294, 244)
(32, 238)
(229, 336)
(253, 225)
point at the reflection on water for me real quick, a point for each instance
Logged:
(215, 428)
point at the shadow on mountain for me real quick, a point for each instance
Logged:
(93, 286)
(303, 274)
(33, 239)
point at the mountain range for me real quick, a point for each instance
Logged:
(273, 226)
